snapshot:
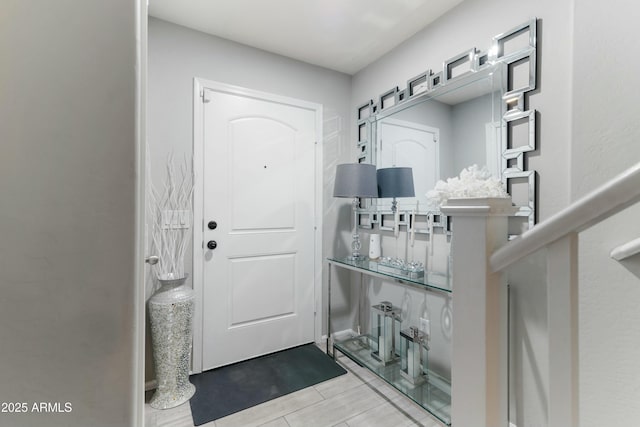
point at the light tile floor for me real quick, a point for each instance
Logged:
(356, 399)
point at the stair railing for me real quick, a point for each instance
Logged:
(481, 255)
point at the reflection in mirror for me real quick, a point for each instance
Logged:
(454, 127)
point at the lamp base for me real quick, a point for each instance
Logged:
(355, 243)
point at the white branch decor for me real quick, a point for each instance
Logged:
(472, 182)
(171, 220)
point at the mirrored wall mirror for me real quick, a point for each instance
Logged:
(472, 112)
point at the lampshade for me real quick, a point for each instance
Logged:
(395, 182)
(355, 180)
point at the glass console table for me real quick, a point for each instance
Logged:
(434, 395)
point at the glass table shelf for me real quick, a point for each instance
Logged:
(433, 280)
(434, 395)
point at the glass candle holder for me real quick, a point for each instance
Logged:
(385, 332)
(414, 355)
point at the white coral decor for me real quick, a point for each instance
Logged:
(472, 182)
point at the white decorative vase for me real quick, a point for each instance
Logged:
(374, 246)
(171, 315)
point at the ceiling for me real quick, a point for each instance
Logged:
(343, 35)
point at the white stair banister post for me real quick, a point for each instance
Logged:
(562, 312)
(479, 375)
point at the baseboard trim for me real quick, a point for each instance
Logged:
(151, 385)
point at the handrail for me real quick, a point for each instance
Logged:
(608, 199)
(627, 250)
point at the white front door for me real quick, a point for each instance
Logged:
(259, 188)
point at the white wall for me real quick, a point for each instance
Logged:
(67, 216)
(474, 23)
(178, 54)
(606, 141)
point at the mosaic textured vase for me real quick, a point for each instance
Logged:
(171, 315)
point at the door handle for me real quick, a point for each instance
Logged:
(212, 244)
(152, 260)
(212, 225)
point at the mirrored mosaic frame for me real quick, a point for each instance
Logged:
(513, 158)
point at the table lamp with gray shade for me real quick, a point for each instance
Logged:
(355, 180)
(395, 182)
